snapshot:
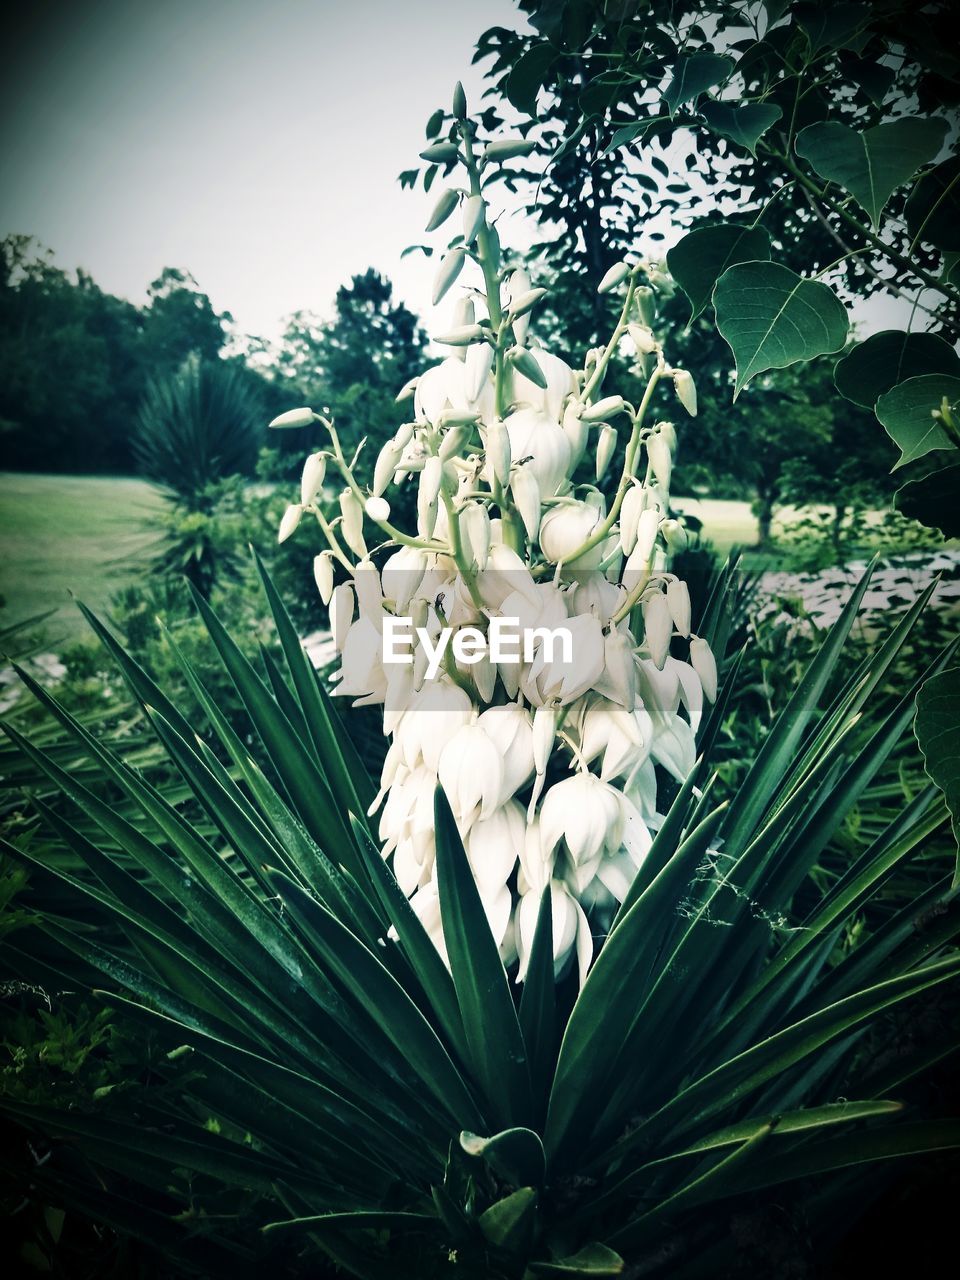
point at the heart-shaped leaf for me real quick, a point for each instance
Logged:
(771, 318)
(933, 210)
(743, 125)
(693, 76)
(907, 413)
(932, 499)
(526, 79)
(871, 164)
(701, 257)
(937, 727)
(886, 358)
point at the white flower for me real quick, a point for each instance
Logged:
(311, 480)
(511, 729)
(433, 716)
(657, 627)
(560, 384)
(289, 521)
(554, 674)
(571, 931)
(541, 440)
(705, 665)
(565, 528)
(493, 845)
(584, 813)
(471, 773)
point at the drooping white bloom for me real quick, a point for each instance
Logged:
(705, 665)
(471, 773)
(540, 442)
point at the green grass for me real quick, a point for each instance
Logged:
(85, 534)
(90, 535)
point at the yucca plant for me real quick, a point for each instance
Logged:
(328, 1087)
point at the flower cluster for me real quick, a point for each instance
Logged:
(548, 761)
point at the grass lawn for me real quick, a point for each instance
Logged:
(88, 535)
(85, 534)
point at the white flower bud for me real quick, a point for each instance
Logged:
(453, 441)
(544, 734)
(674, 535)
(525, 302)
(289, 521)
(440, 152)
(323, 575)
(479, 363)
(638, 562)
(450, 267)
(686, 391)
(295, 418)
(508, 149)
(407, 390)
(658, 451)
(616, 275)
(577, 433)
(525, 364)
(642, 338)
(606, 448)
(564, 529)
(387, 461)
(443, 208)
(352, 526)
(428, 495)
(475, 531)
(634, 501)
(678, 600)
(311, 481)
(459, 102)
(341, 613)
(604, 408)
(462, 336)
(657, 627)
(526, 495)
(377, 509)
(669, 433)
(498, 450)
(705, 665)
(473, 211)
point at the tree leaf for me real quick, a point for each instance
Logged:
(698, 260)
(744, 125)
(937, 727)
(771, 318)
(871, 164)
(693, 76)
(831, 26)
(933, 210)
(526, 78)
(906, 412)
(932, 499)
(884, 359)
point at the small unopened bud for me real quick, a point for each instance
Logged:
(576, 431)
(475, 530)
(323, 575)
(661, 459)
(407, 390)
(616, 275)
(524, 302)
(341, 614)
(631, 509)
(605, 408)
(686, 391)
(606, 448)
(646, 303)
(705, 665)
(498, 450)
(295, 418)
(443, 208)
(669, 433)
(311, 481)
(461, 337)
(453, 442)
(428, 496)
(352, 526)
(544, 734)
(387, 460)
(449, 269)
(289, 521)
(377, 509)
(440, 152)
(459, 102)
(478, 365)
(524, 363)
(642, 338)
(526, 494)
(658, 628)
(473, 211)
(678, 602)
(674, 535)
(508, 149)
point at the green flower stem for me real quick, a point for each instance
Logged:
(456, 550)
(597, 376)
(629, 463)
(331, 538)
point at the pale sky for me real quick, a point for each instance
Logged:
(255, 145)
